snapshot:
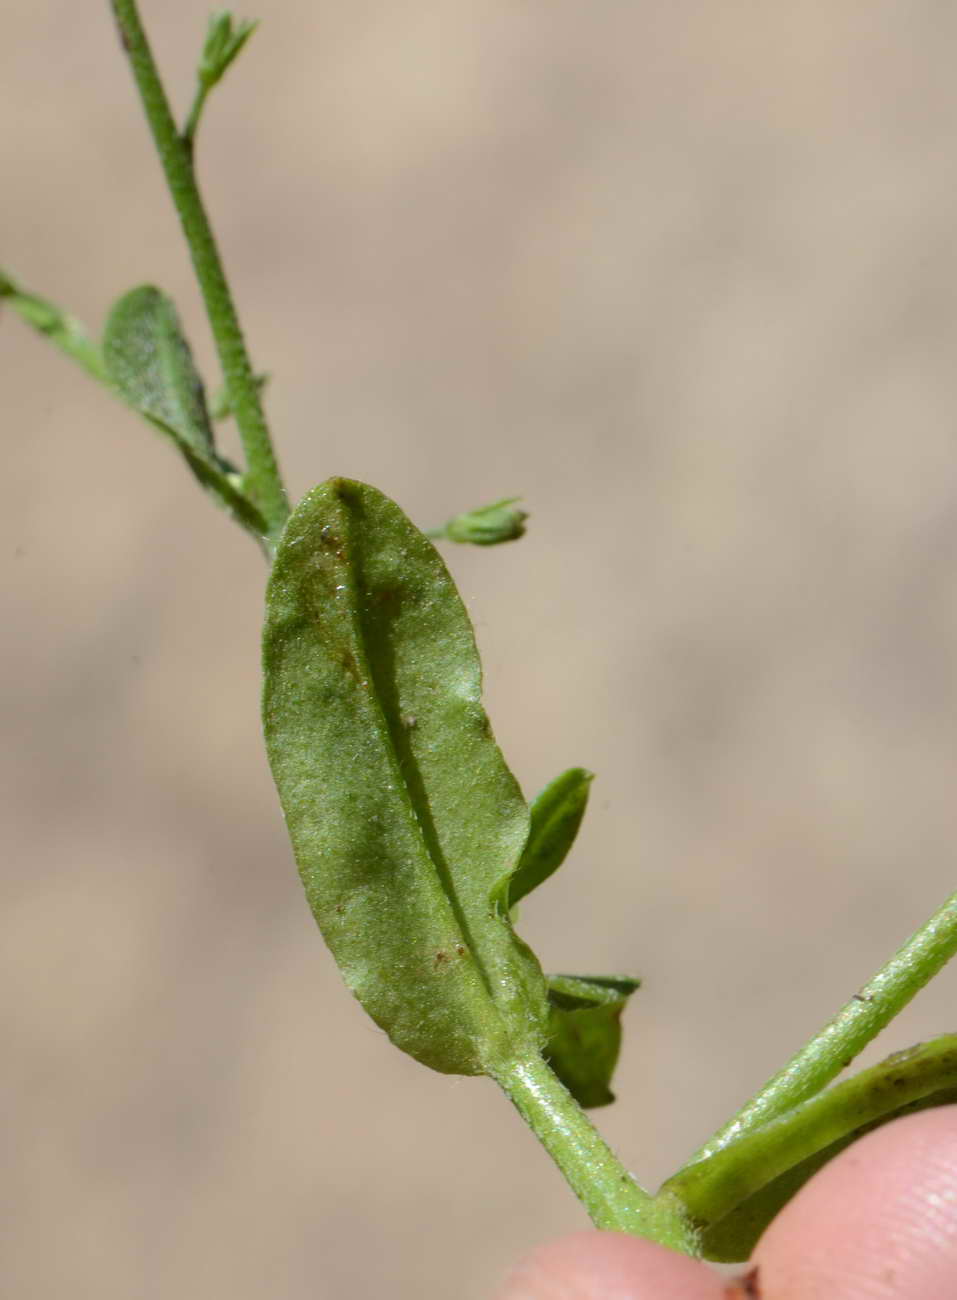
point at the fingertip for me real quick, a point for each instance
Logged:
(878, 1222)
(609, 1266)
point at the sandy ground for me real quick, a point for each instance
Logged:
(685, 275)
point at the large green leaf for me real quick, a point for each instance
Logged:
(584, 1032)
(148, 361)
(556, 814)
(400, 807)
(734, 1194)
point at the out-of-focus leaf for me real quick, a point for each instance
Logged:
(400, 807)
(584, 1032)
(148, 361)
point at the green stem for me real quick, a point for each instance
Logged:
(262, 481)
(709, 1189)
(192, 122)
(855, 1025)
(595, 1174)
(59, 326)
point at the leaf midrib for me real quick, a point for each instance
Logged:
(400, 755)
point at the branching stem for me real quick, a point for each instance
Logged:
(857, 1023)
(595, 1174)
(191, 124)
(262, 482)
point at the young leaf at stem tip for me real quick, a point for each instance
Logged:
(556, 815)
(222, 45)
(401, 810)
(734, 1194)
(584, 1032)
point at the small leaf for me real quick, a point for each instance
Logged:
(486, 526)
(584, 1032)
(148, 359)
(149, 362)
(400, 807)
(556, 815)
(734, 1194)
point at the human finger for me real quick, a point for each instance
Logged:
(877, 1223)
(610, 1266)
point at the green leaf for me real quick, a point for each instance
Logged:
(59, 326)
(734, 1194)
(584, 1032)
(556, 814)
(400, 807)
(149, 362)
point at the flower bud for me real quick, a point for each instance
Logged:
(500, 522)
(223, 43)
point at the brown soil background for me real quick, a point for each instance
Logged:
(685, 275)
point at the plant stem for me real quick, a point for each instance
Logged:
(710, 1189)
(597, 1177)
(59, 326)
(192, 122)
(262, 481)
(855, 1025)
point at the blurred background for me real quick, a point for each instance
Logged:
(685, 276)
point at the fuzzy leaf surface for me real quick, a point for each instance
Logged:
(584, 1032)
(400, 807)
(148, 361)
